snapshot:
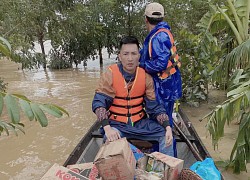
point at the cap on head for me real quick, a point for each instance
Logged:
(154, 10)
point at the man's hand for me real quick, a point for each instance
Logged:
(111, 134)
(101, 113)
(169, 136)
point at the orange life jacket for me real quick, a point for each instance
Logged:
(175, 57)
(127, 103)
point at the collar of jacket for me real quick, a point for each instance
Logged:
(128, 77)
(158, 26)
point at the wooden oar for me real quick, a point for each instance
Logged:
(189, 143)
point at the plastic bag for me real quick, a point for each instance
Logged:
(137, 152)
(206, 169)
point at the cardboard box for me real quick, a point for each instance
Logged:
(115, 160)
(144, 175)
(88, 170)
(57, 172)
(175, 165)
(158, 164)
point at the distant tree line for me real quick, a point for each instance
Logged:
(79, 29)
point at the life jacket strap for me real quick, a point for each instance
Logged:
(173, 60)
(167, 71)
(127, 114)
(128, 97)
(127, 106)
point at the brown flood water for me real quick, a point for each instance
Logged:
(29, 156)
(226, 143)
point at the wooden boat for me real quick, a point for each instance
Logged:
(189, 146)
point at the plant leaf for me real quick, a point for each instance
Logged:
(39, 115)
(1, 103)
(20, 126)
(26, 109)
(5, 42)
(21, 97)
(12, 108)
(61, 109)
(12, 127)
(4, 50)
(51, 110)
(4, 125)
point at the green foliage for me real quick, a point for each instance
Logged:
(5, 47)
(192, 80)
(5, 50)
(3, 85)
(237, 106)
(7, 126)
(12, 108)
(213, 21)
(237, 58)
(100, 24)
(198, 49)
(238, 102)
(25, 23)
(240, 155)
(232, 18)
(184, 14)
(59, 60)
(234, 71)
(80, 29)
(15, 102)
(199, 60)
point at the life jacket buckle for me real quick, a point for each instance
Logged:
(128, 98)
(129, 106)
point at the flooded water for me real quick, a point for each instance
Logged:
(29, 156)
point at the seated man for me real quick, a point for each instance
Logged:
(120, 98)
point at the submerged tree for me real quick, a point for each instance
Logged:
(26, 23)
(99, 24)
(15, 102)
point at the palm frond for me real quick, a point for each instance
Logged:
(4, 50)
(240, 154)
(227, 112)
(238, 58)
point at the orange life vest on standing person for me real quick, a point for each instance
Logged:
(175, 57)
(127, 103)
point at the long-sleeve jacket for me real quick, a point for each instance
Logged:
(105, 93)
(161, 46)
(170, 88)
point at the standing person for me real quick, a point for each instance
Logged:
(123, 92)
(159, 58)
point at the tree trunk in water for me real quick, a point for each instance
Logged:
(129, 19)
(40, 39)
(100, 55)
